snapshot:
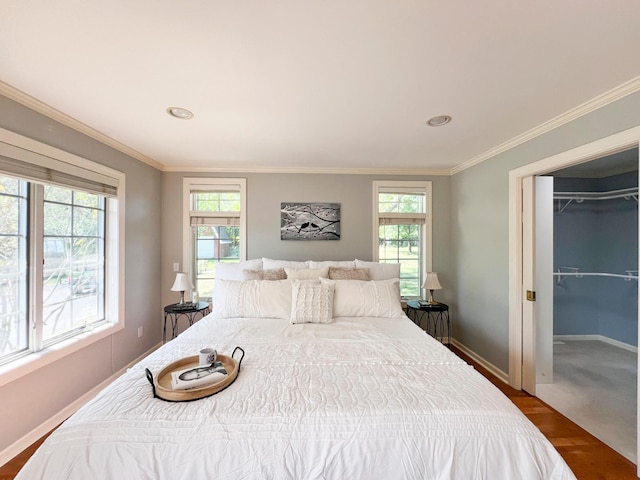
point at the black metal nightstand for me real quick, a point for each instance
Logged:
(176, 310)
(436, 316)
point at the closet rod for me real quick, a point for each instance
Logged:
(579, 197)
(626, 193)
(561, 275)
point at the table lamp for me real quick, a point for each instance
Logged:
(181, 284)
(431, 283)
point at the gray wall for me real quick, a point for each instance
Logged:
(597, 236)
(265, 192)
(480, 227)
(62, 382)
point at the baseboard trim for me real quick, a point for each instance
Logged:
(34, 435)
(481, 361)
(601, 338)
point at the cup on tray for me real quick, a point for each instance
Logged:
(207, 356)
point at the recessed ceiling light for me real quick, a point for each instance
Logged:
(181, 113)
(439, 121)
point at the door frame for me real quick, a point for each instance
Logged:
(614, 143)
(521, 337)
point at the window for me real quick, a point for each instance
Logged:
(402, 230)
(73, 272)
(215, 230)
(60, 224)
(14, 323)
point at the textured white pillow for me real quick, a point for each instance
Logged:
(330, 263)
(380, 271)
(253, 299)
(268, 263)
(306, 273)
(311, 302)
(360, 298)
(233, 271)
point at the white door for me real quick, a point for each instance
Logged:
(537, 276)
(544, 279)
(528, 286)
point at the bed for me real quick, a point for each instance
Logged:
(362, 396)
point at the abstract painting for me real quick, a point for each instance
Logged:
(309, 221)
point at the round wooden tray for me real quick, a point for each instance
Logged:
(162, 383)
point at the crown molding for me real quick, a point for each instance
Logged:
(54, 114)
(600, 101)
(301, 170)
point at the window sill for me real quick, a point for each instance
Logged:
(36, 360)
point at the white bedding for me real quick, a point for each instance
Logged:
(359, 398)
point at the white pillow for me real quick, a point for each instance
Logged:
(311, 302)
(306, 273)
(380, 271)
(253, 299)
(233, 271)
(268, 263)
(361, 298)
(329, 263)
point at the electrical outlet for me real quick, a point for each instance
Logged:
(140, 332)
(176, 267)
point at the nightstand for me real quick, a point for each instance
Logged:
(435, 317)
(189, 310)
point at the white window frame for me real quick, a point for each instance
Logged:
(190, 184)
(382, 186)
(27, 150)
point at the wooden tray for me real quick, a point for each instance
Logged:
(162, 383)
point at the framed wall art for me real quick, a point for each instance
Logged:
(309, 221)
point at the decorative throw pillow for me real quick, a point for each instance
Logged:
(380, 271)
(311, 302)
(345, 273)
(306, 273)
(374, 298)
(253, 299)
(273, 274)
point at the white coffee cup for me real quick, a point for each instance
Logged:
(207, 356)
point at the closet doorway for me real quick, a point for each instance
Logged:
(523, 340)
(587, 319)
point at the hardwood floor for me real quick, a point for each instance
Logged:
(10, 469)
(588, 457)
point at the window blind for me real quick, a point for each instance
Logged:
(32, 166)
(402, 218)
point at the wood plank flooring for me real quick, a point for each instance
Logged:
(10, 469)
(588, 457)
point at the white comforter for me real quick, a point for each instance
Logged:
(360, 398)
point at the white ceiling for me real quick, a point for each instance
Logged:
(317, 84)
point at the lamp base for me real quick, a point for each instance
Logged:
(181, 302)
(431, 301)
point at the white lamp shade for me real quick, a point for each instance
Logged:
(182, 283)
(431, 282)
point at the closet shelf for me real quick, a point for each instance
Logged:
(579, 197)
(564, 272)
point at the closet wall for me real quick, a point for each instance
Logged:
(597, 236)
